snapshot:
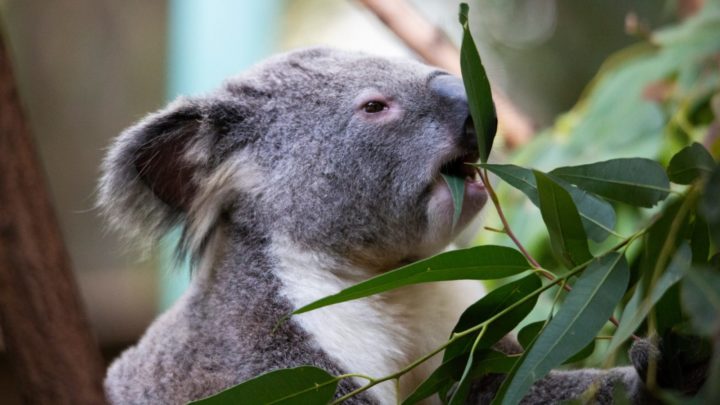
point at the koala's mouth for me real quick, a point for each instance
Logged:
(459, 167)
(457, 164)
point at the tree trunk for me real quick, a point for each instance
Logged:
(49, 344)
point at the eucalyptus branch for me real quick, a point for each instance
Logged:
(455, 336)
(501, 214)
(554, 280)
(547, 274)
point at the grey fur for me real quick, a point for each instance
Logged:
(281, 150)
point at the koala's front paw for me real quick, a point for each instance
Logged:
(681, 362)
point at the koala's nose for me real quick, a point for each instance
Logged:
(450, 91)
(450, 88)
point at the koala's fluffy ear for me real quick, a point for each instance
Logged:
(152, 171)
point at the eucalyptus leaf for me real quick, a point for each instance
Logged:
(700, 241)
(598, 216)
(710, 204)
(585, 310)
(457, 191)
(638, 308)
(291, 386)
(477, 87)
(689, 164)
(567, 235)
(476, 263)
(490, 305)
(485, 361)
(450, 370)
(530, 331)
(635, 181)
(701, 298)
(459, 397)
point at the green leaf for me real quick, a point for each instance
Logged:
(477, 87)
(634, 181)
(485, 361)
(300, 385)
(567, 235)
(598, 216)
(689, 164)
(638, 308)
(450, 370)
(709, 206)
(701, 298)
(490, 305)
(700, 241)
(585, 310)
(476, 263)
(528, 334)
(457, 191)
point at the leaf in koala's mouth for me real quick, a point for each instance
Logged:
(457, 191)
(477, 88)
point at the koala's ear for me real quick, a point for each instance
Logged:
(152, 171)
(161, 160)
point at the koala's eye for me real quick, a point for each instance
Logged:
(373, 107)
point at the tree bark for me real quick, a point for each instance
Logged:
(48, 342)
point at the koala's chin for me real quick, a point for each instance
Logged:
(441, 210)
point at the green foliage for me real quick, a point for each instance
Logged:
(516, 292)
(609, 156)
(709, 207)
(638, 308)
(293, 386)
(477, 87)
(485, 361)
(640, 182)
(598, 216)
(567, 236)
(701, 296)
(689, 164)
(586, 309)
(477, 263)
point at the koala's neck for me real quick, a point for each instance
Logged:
(377, 335)
(262, 279)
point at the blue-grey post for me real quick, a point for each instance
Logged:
(209, 40)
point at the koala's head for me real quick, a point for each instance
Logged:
(339, 152)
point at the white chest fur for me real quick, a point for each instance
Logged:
(378, 335)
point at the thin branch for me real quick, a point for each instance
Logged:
(506, 225)
(432, 45)
(550, 276)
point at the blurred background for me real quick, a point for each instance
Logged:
(87, 69)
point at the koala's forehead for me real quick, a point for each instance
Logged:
(326, 70)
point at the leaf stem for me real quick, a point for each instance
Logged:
(491, 229)
(537, 267)
(501, 214)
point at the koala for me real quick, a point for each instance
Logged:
(307, 174)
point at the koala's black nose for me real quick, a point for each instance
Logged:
(449, 88)
(450, 93)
